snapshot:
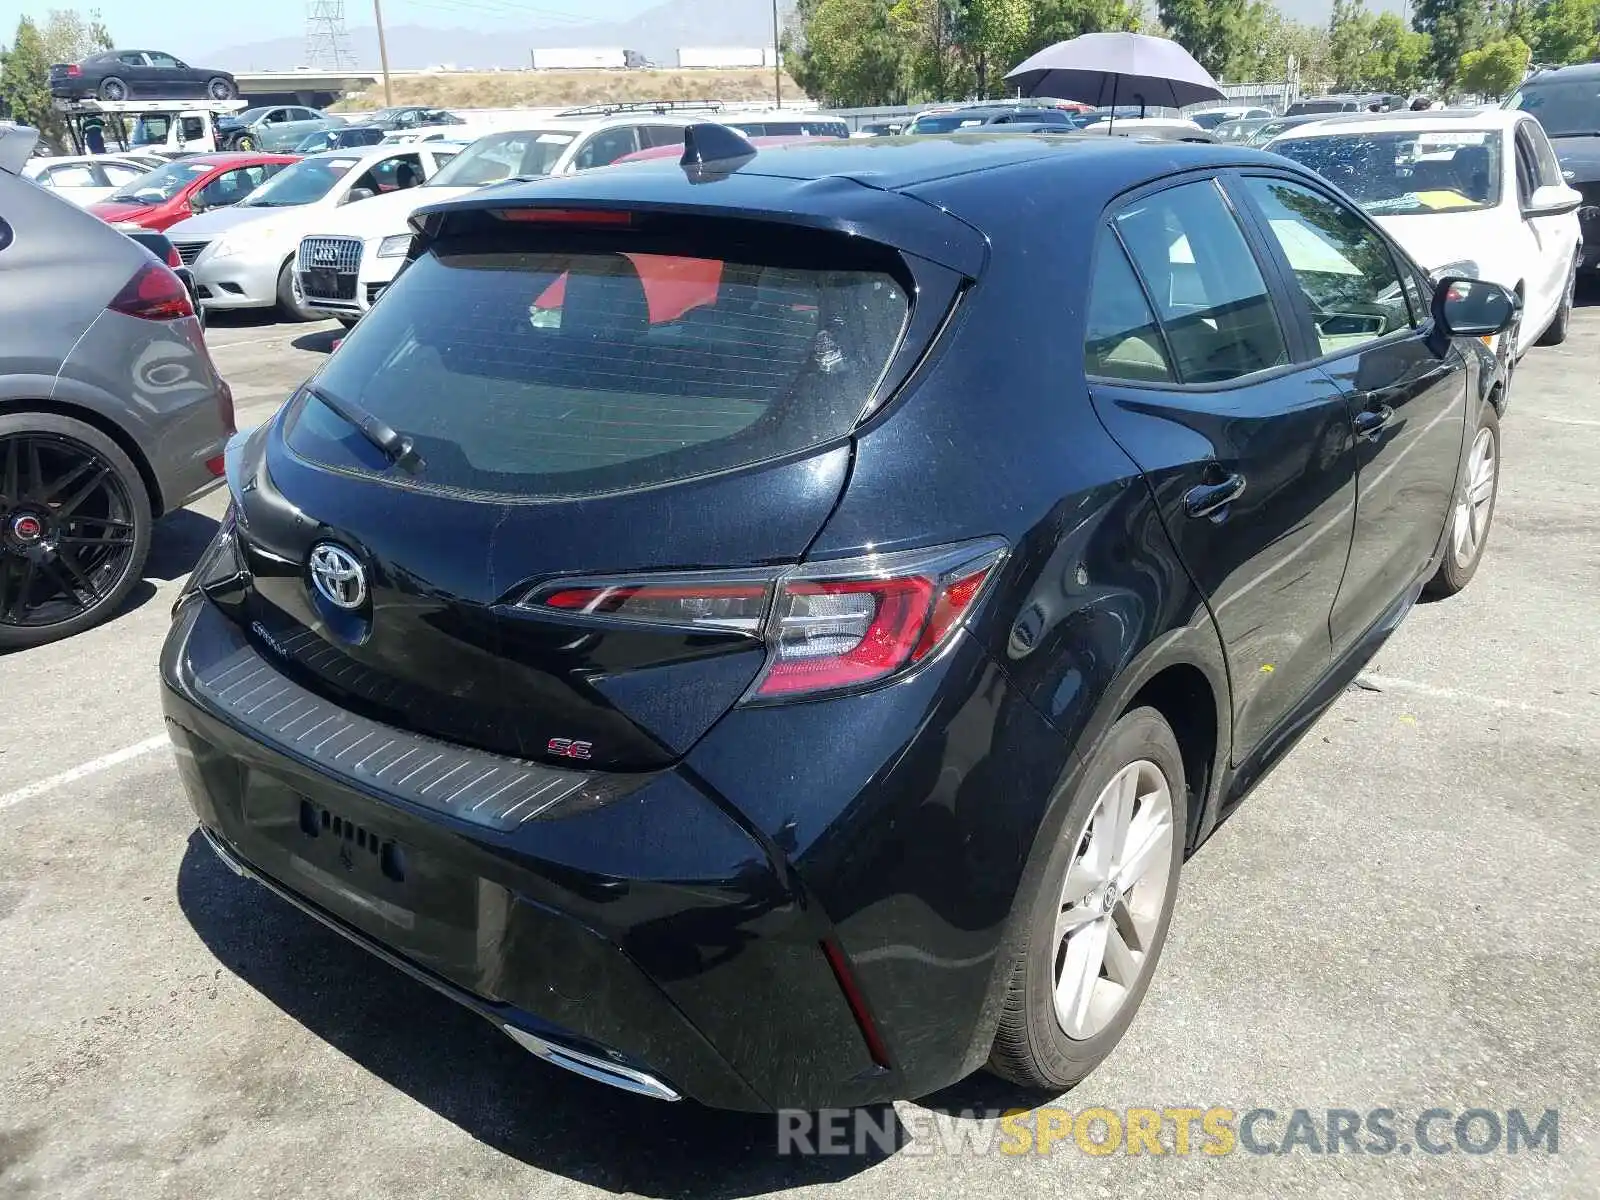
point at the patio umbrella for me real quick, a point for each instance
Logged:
(1117, 68)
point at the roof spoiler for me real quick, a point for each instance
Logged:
(16, 147)
(708, 145)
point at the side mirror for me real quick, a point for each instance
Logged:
(359, 194)
(1553, 200)
(1473, 307)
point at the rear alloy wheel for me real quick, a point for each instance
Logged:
(221, 89)
(290, 302)
(1473, 513)
(74, 528)
(1556, 332)
(1098, 924)
(113, 89)
(244, 142)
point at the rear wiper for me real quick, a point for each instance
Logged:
(396, 447)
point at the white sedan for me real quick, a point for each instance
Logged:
(243, 257)
(1476, 194)
(86, 179)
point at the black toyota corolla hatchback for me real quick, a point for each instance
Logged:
(771, 631)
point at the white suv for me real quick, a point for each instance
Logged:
(369, 241)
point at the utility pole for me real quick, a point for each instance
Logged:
(777, 56)
(383, 52)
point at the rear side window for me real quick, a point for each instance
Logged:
(1207, 287)
(1123, 341)
(550, 374)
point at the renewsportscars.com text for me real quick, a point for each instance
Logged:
(1176, 1131)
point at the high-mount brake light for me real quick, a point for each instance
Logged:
(829, 626)
(564, 216)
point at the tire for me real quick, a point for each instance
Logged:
(218, 88)
(1464, 543)
(289, 302)
(127, 516)
(1556, 332)
(112, 89)
(1032, 1046)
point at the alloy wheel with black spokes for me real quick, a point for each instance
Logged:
(74, 528)
(1100, 917)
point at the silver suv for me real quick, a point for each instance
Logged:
(111, 411)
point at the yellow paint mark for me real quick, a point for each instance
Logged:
(1267, 668)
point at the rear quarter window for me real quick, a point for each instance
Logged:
(544, 374)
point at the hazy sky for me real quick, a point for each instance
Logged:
(189, 29)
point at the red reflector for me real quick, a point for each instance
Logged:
(216, 466)
(564, 216)
(858, 1004)
(953, 604)
(153, 294)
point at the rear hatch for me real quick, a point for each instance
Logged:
(569, 399)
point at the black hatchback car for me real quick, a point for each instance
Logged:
(696, 621)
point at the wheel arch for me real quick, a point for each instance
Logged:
(98, 420)
(1184, 696)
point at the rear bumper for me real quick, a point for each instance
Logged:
(690, 960)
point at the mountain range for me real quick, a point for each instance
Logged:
(656, 31)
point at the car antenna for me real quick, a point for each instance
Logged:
(713, 151)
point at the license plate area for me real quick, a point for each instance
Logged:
(323, 281)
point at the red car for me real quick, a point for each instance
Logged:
(186, 186)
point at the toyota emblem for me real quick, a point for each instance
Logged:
(338, 576)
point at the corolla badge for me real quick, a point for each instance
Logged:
(338, 576)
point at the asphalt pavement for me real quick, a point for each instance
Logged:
(1401, 917)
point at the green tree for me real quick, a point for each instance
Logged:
(70, 36)
(1494, 69)
(1374, 51)
(1562, 31)
(25, 82)
(1223, 35)
(65, 36)
(851, 53)
(1284, 44)
(1454, 27)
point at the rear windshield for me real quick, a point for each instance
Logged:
(548, 374)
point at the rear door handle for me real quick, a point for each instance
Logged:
(1370, 422)
(1209, 499)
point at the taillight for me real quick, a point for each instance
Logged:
(74, 70)
(225, 409)
(829, 626)
(738, 607)
(153, 294)
(174, 259)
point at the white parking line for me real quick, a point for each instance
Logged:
(83, 770)
(1387, 683)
